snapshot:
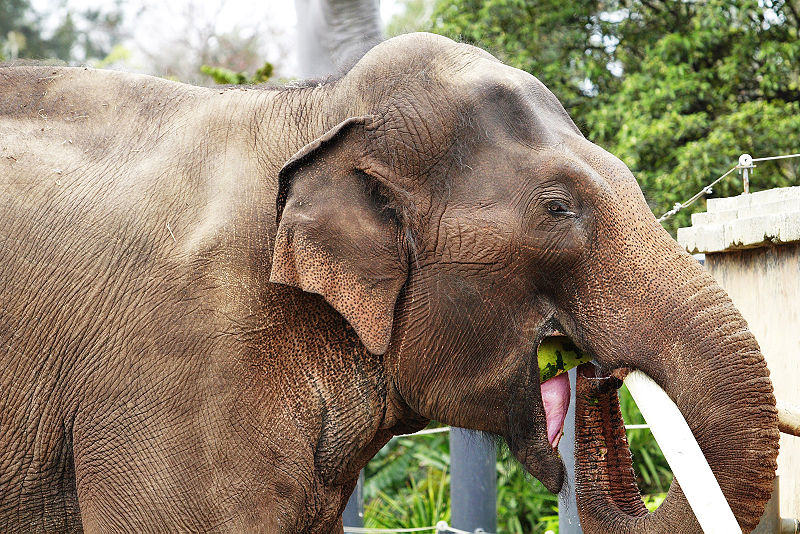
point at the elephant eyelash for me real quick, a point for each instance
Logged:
(559, 208)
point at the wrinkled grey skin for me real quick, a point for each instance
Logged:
(217, 304)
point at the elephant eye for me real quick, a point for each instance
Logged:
(558, 207)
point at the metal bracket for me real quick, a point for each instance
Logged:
(745, 167)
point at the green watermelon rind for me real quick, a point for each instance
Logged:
(558, 355)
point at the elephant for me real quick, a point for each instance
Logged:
(219, 303)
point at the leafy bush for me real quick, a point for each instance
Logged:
(523, 504)
(422, 503)
(402, 459)
(223, 76)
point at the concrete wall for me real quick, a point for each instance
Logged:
(753, 250)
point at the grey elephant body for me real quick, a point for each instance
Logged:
(138, 220)
(155, 375)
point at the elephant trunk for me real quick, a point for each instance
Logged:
(714, 371)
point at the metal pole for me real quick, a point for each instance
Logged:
(473, 481)
(568, 521)
(353, 515)
(745, 166)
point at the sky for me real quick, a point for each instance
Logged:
(156, 19)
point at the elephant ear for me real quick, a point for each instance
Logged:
(339, 231)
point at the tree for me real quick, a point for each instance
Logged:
(723, 79)
(677, 90)
(80, 36)
(567, 45)
(332, 33)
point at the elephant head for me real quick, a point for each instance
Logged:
(455, 216)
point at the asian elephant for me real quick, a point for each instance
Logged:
(216, 304)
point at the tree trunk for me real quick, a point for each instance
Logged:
(332, 34)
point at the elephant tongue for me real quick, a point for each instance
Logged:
(555, 396)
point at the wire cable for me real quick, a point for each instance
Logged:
(707, 189)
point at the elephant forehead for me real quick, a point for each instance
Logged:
(430, 95)
(511, 101)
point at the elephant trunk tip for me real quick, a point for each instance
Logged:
(607, 493)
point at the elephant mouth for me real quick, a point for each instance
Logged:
(557, 354)
(556, 395)
(555, 398)
(596, 388)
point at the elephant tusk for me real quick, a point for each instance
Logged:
(683, 454)
(788, 418)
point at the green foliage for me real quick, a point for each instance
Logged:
(79, 36)
(407, 485)
(421, 504)
(223, 76)
(390, 469)
(677, 90)
(723, 82)
(562, 43)
(524, 506)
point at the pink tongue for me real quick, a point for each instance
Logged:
(555, 395)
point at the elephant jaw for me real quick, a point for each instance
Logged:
(555, 397)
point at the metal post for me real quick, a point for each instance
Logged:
(568, 521)
(353, 515)
(473, 481)
(745, 166)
